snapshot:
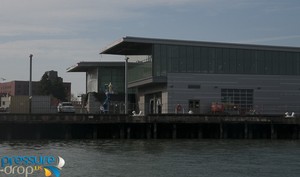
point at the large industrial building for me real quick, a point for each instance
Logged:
(171, 76)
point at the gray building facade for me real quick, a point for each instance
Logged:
(193, 74)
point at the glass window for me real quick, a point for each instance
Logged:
(293, 63)
(275, 63)
(247, 62)
(232, 60)
(268, 62)
(197, 58)
(240, 98)
(182, 59)
(219, 60)
(260, 62)
(282, 63)
(253, 59)
(204, 60)
(174, 58)
(190, 59)
(298, 63)
(156, 60)
(141, 68)
(211, 59)
(240, 59)
(226, 62)
(163, 60)
(194, 86)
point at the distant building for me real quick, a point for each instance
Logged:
(21, 88)
(17, 88)
(14, 96)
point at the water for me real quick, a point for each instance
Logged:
(166, 158)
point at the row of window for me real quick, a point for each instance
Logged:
(171, 58)
(243, 98)
(115, 76)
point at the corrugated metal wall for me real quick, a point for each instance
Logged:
(273, 94)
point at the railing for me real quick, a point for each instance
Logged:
(145, 109)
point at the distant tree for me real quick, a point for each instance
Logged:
(53, 87)
(45, 85)
(58, 90)
(73, 97)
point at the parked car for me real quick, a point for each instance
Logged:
(2, 109)
(66, 107)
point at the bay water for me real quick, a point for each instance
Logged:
(164, 158)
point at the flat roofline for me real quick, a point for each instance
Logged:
(116, 47)
(86, 66)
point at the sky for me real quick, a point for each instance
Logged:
(61, 33)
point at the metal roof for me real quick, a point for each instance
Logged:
(87, 66)
(143, 46)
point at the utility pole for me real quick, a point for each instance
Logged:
(126, 85)
(30, 82)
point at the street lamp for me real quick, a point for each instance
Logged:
(126, 85)
(30, 82)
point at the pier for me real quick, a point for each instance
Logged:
(163, 126)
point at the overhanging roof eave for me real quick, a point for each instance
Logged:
(87, 66)
(129, 46)
(118, 47)
(107, 49)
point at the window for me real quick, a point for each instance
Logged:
(199, 59)
(194, 86)
(243, 98)
(204, 60)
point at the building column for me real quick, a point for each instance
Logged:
(295, 132)
(246, 130)
(154, 131)
(8, 133)
(95, 132)
(174, 131)
(148, 133)
(128, 132)
(122, 131)
(68, 132)
(298, 130)
(200, 131)
(273, 132)
(223, 131)
(38, 132)
(250, 131)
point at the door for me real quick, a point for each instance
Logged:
(194, 106)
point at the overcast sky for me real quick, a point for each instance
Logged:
(61, 33)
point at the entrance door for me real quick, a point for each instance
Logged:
(152, 106)
(194, 105)
(155, 106)
(153, 103)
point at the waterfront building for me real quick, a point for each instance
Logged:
(178, 76)
(99, 75)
